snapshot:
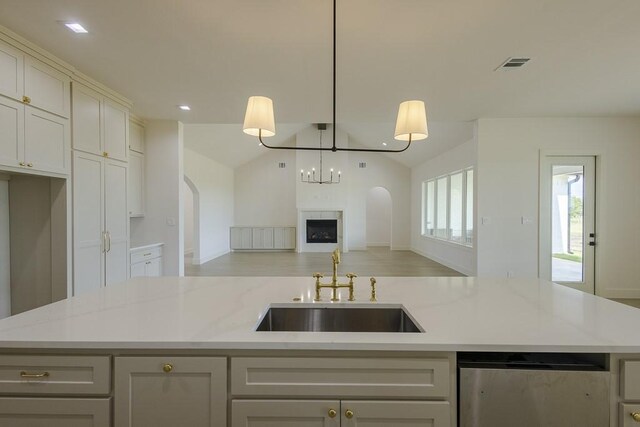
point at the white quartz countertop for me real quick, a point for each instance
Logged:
(457, 313)
(144, 247)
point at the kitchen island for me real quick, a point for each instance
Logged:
(117, 350)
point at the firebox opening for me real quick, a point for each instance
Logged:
(322, 231)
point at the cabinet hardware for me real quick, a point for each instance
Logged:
(148, 254)
(636, 416)
(105, 154)
(348, 413)
(167, 367)
(30, 165)
(373, 290)
(25, 374)
(22, 164)
(332, 413)
(26, 100)
(108, 233)
(148, 262)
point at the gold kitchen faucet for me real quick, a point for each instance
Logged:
(334, 285)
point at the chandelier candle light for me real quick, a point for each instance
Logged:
(411, 123)
(311, 176)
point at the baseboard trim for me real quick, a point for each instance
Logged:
(202, 260)
(444, 262)
(619, 293)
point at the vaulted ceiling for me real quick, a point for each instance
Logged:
(214, 54)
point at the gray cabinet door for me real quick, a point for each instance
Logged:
(170, 391)
(299, 413)
(49, 412)
(391, 414)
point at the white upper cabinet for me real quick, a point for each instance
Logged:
(116, 131)
(136, 184)
(87, 110)
(11, 72)
(136, 137)
(31, 81)
(11, 131)
(34, 112)
(100, 126)
(46, 88)
(46, 141)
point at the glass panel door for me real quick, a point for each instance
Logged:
(567, 231)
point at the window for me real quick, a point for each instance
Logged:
(447, 207)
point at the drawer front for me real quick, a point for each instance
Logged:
(50, 412)
(630, 380)
(395, 413)
(146, 254)
(337, 377)
(629, 412)
(55, 375)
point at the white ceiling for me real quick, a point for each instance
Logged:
(213, 54)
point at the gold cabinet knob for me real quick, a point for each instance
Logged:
(167, 367)
(348, 413)
(105, 154)
(30, 165)
(26, 100)
(22, 164)
(636, 416)
(332, 413)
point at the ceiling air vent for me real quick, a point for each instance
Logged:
(362, 165)
(513, 63)
(282, 165)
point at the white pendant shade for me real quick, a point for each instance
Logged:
(259, 117)
(412, 121)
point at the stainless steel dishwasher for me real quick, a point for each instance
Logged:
(533, 390)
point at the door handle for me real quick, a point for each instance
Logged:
(593, 237)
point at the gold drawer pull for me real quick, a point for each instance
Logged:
(22, 164)
(149, 254)
(25, 374)
(348, 413)
(30, 165)
(636, 416)
(167, 367)
(332, 413)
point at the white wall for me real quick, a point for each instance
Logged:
(378, 217)
(188, 217)
(508, 163)
(5, 251)
(163, 221)
(458, 257)
(215, 195)
(264, 193)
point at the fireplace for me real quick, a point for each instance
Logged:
(322, 231)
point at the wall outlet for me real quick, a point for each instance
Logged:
(486, 220)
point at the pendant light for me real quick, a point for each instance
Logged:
(411, 123)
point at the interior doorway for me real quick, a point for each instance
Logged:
(378, 217)
(191, 219)
(567, 221)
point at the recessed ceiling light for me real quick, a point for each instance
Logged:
(384, 143)
(184, 107)
(75, 27)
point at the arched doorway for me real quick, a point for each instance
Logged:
(191, 220)
(378, 217)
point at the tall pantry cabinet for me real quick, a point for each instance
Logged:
(100, 168)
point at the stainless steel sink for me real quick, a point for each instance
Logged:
(337, 318)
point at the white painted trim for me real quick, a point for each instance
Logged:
(446, 263)
(188, 251)
(400, 248)
(620, 293)
(378, 244)
(202, 260)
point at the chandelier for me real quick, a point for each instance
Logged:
(411, 122)
(310, 178)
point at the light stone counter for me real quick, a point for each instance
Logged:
(458, 314)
